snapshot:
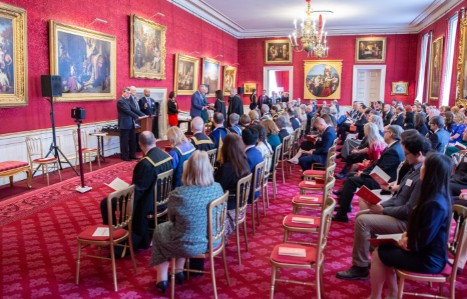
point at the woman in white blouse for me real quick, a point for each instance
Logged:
(263, 146)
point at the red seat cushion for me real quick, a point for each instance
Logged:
(87, 234)
(446, 272)
(288, 221)
(287, 259)
(304, 184)
(89, 149)
(44, 160)
(297, 199)
(315, 172)
(4, 166)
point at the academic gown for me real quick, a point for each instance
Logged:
(219, 105)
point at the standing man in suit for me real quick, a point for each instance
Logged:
(275, 99)
(309, 117)
(440, 137)
(197, 102)
(150, 107)
(127, 115)
(399, 119)
(236, 103)
(264, 99)
(387, 114)
(389, 161)
(134, 103)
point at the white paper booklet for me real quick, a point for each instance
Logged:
(396, 237)
(101, 232)
(118, 184)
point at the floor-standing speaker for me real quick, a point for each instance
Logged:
(51, 86)
(241, 90)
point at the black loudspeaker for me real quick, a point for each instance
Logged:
(51, 86)
(241, 90)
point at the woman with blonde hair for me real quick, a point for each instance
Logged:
(254, 116)
(181, 151)
(185, 234)
(449, 121)
(458, 127)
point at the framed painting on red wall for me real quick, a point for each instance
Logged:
(211, 76)
(86, 61)
(277, 51)
(461, 67)
(370, 49)
(322, 79)
(186, 74)
(230, 78)
(436, 66)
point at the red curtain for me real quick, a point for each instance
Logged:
(282, 79)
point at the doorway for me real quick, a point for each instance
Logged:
(278, 79)
(368, 83)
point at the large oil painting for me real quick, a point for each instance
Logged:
(186, 74)
(230, 78)
(436, 66)
(211, 76)
(370, 49)
(323, 79)
(461, 66)
(85, 60)
(13, 57)
(278, 51)
(147, 46)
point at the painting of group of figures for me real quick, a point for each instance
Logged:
(322, 79)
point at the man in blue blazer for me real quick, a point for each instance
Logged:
(127, 115)
(293, 120)
(253, 155)
(440, 138)
(197, 105)
(399, 119)
(320, 154)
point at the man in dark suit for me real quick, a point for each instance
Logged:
(197, 104)
(199, 140)
(253, 155)
(389, 160)
(264, 99)
(387, 114)
(235, 103)
(127, 115)
(150, 107)
(134, 103)
(440, 137)
(399, 119)
(354, 112)
(293, 120)
(394, 103)
(275, 99)
(309, 117)
(359, 122)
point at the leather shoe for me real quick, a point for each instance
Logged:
(340, 218)
(338, 192)
(162, 285)
(354, 273)
(179, 277)
(126, 159)
(341, 176)
(134, 158)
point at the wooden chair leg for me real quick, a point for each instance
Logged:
(264, 200)
(98, 159)
(237, 236)
(47, 174)
(213, 277)
(29, 180)
(273, 282)
(78, 262)
(43, 173)
(114, 268)
(245, 235)
(257, 211)
(132, 253)
(226, 270)
(321, 280)
(317, 283)
(283, 172)
(99, 250)
(253, 218)
(267, 193)
(400, 291)
(172, 279)
(188, 267)
(274, 187)
(90, 162)
(441, 285)
(76, 158)
(11, 183)
(286, 235)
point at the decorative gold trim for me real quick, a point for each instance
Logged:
(141, 75)
(438, 40)
(195, 60)
(212, 94)
(234, 83)
(54, 27)
(18, 16)
(383, 55)
(251, 85)
(266, 45)
(158, 163)
(393, 89)
(461, 78)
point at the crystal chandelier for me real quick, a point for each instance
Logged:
(311, 39)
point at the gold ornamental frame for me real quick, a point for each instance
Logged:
(250, 86)
(212, 93)
(393, 88)
(19, 97)
(267, 43)
(461, 67)
(363, 39)
(441, 56)
(163, 29)
(54, 28)
(228, 68)
(180, 57)
(310, 64)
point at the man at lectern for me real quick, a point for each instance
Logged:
(149, 106)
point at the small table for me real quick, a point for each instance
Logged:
(100, 144)
(188, 121)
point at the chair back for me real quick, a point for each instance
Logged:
(296, 139)
(162, 187)
(327, 192)
(334, 143)
(124, 209)
(34, 147)
(243, 192)
(217, 212)
(459, 236)
(212, 156)
(331, 160)
(445, 147)
(75, 139)
(329, 173)
(461, 154)
(326, 219)
(277, 154)
(285, 146)
(258, 176)
(267, 165)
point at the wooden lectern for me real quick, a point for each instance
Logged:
(146, 124)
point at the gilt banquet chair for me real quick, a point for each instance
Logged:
(34, 148)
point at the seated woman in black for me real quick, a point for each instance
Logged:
(459, 179)
(409, 122)
(420, 125)
(423, 248)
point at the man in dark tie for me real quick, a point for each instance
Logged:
(264, 100)
(149, 106)
(134, 103)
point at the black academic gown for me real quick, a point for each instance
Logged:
(219, 105)
(236, 105)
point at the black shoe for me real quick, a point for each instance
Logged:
(134, 158)
(162, 285)
(341, 176)
(339, 156)
(338, 192)
(126, 159)
(354, 273)
(179, 277)
(337, 209)
(341, 218)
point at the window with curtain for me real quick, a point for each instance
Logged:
(272, 82)
(450, 44)
(421, 72)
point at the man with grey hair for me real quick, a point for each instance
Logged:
(281, 123)
(265, 111)
(127, 115)
(440, 137)
(235, 103)
(234, 126)
(199, 140)
(389, 161)
(197, 104)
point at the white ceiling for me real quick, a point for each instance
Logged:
(269, 18)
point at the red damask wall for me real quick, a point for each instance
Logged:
(185, 33)
(400, 64)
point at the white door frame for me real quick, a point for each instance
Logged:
(266, 69)
(382, 85)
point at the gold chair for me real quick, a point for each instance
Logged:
(314, 257)
(449, 273)
(318, 199)
(313, 173)
(331, 151)
(258, 177)
(296, 142)
(461, 154)
(212, 156)
(117, 233)
(34, 148)
(242, 195)
(216, 231)
(87, 152)
(267, 169)
(275, 162)
(317, 184)
(162, 188)
(285, 155)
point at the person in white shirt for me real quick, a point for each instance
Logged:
(263, 146)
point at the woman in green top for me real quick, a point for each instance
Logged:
(451, 149)
(273, 137)
(204, 113)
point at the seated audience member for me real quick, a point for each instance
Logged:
(309, 117)
(184, 234)
(387, 114)
(389, 160)
(262, 145)
(451, 149)
(155, 161)
(399, 117)
(302, 113)
(327, 110)
(448, 121)
(265, 111)
(281, 123)
(180, 152)
(458, 127)
(273, 137)
(455, 110)
(376, 145)
(293, 120)
(245, 120)
(458, 180)
(388, 217)
(219, 132)
(274, 112)
(420, 125)
(199, 140)
(289, 124)
(359, 122)
(235, 128)
(378, 106)
(423, 247)
(462, 201)
(253, 155)
(233, 167)
(409, 121)
(254, 116)
(440, 137)
(354, 112)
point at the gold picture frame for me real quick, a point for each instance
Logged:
(249, 87)
(436, 68)
(370, 50)
(86, 75)
(278, 51)
(186, 74)
(15, 57)
(230, 78)
(211, 76)
(146, 64)
(461, 66)
(322, 79)
(400, 88)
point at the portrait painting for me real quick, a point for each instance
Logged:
(370, 49)
(230, 78)
(211, 76)
(277, 51)
(323, 79)
(147, 46)
(85, 60)
(13, 57)
(461, 66)
(400, 88)
(249, 87)
(186, 74)
(436, 65)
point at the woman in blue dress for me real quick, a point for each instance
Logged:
(181, 152)
(458, 127)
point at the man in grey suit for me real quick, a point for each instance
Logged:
(127, 115)
(197, 105)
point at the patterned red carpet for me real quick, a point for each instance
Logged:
(39, 252)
